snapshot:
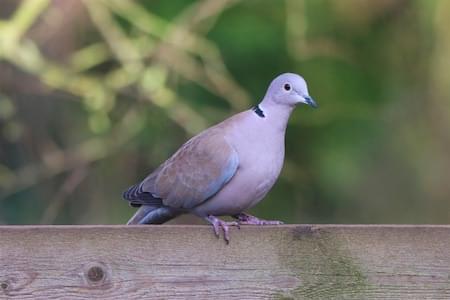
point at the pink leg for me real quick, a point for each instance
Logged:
(246, 219)
(217, 223)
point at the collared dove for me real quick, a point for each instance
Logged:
(227, 168)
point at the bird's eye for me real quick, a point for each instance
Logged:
(287, 86)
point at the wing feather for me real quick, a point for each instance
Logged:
(197, 171)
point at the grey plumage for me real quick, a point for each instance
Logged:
(225, 169)
(147, 214)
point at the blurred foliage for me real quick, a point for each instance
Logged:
(96, 94)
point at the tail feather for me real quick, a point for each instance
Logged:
(136, 196)
(147, 214)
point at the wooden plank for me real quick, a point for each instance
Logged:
(179, 262)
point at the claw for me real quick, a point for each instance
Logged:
(216, 229)
(246, 219)
(216, 223)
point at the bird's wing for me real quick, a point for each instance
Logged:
(197, 171)
(137, 196)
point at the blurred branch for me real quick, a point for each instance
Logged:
(435, 173)
(99, 94)
(70, 184)
(298, 44)
(175, 35)
(25, 15)
(130, 60)
(85, 153)
(440, 67)
(89, 57)
(121, 46)
(201, 16)
(27, 57)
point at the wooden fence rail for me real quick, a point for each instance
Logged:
(179, 262)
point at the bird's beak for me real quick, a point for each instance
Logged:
(310, 101)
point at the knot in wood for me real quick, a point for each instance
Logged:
(95, 274)
(4, 285)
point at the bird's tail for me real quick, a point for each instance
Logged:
(147, 214)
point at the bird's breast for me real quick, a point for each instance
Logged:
(261, 167)
(261, 159)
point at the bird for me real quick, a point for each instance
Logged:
(225, 169)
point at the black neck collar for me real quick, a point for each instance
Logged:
(258, 111)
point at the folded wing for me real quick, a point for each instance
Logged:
(197, 171)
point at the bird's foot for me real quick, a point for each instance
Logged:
(246, 219)
(218, 223)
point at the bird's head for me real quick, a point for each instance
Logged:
(289, 89)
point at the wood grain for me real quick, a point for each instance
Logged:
(179, 262)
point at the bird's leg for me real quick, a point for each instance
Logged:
(216, 223)
(246, 219)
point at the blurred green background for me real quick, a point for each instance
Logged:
(96, 94)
